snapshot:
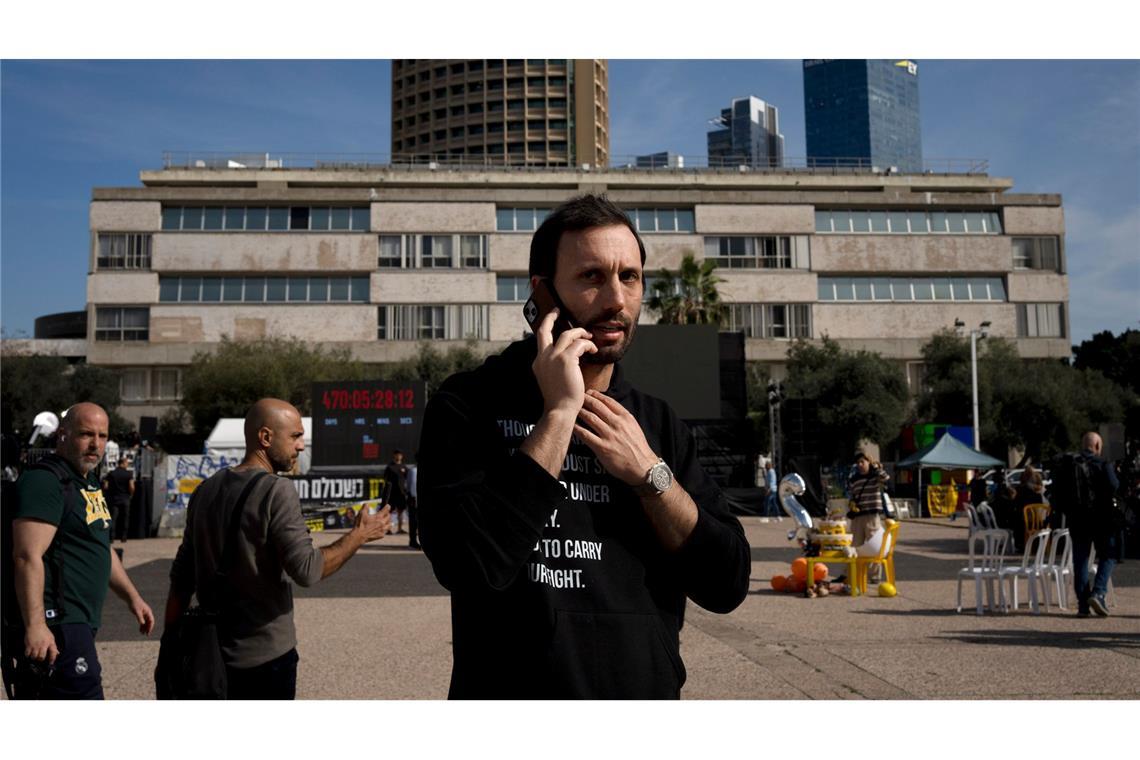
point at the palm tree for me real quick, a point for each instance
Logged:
(689, 297)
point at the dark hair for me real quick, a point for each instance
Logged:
(583, 212)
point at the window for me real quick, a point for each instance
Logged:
(434, 251)
(432, 322)
(662, 219)
(512, 288)
(781, 321)
(262, 218)
(166, 384)
(123, 251)
(911, 289)
(122, 323)
(1040, 320)
(261, 290)
(1036, 253)
(899, 222)
(519, 219)
(767, 252)
(133, 385)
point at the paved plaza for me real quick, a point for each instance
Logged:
(380, 629)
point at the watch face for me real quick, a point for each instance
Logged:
(661, 477)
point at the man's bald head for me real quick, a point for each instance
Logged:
(273, 427)
(1091, 442)
(83, 436)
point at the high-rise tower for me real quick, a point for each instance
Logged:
(748, 133)
(862, 113)
(539, 112)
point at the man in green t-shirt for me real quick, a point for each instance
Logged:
(64, 564)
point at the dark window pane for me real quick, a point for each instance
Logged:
(298, 288)
(318, 289)
(685, 220)
(235, 218)
(231, 289)
(191, 289)
(211, 289)
(254, 289)
(172, 218)
(255, 218)
(192, 218)
(319, 218)
(361, 219)
(338, 289)
(299, 218)
(279, 218)
(360, 289)
(213, 218)
(167, 290)
(275, 289)
(340, 218)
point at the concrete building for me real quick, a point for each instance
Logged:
(862, 113)
(377, 258)
(530, 112)
(747, 133)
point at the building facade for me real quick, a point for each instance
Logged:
(377, 259)
(862, 113)
(747, 133)
(519, 112)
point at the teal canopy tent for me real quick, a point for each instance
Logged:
(947, 453)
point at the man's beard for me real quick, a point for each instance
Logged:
(611, 354)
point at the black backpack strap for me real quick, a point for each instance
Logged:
(230, 541)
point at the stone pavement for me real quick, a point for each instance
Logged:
(380, 629)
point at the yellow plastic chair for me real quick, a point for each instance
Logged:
(838, 559)
(1036, 518)
(885, 558)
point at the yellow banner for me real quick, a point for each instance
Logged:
(942, 501)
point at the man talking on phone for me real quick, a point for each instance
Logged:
(564, 510)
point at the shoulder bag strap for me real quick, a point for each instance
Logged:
(229, 550)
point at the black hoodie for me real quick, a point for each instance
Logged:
(561, 589)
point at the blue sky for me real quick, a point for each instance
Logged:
(1068, 127)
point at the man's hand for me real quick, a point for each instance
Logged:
(556, 366)
(142, 612)
(372, 527)
(615, 437)
(39, 644)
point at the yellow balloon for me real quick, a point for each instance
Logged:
(887, 589)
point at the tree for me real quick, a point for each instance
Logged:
(33, 383)
(227, 382)
(689, 297)
(1041, 406)
(1116, 356)
(859, 395)
(434, 367)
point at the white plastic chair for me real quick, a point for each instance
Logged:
(1032, 569)
(1061, 572)
(988, 520)
(985, 566)
(975, 521)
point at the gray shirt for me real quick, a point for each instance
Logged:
(274, 546)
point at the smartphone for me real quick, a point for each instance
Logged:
(541, 302)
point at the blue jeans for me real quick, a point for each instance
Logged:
(1107, 546)
(772, 507)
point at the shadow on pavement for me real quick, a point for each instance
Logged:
(374, 572)
(1057, 640)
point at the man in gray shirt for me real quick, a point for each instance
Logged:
(258, 637)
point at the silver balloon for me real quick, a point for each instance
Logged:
(791, 486)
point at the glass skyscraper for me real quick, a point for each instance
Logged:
(862, 113)
(748, 133)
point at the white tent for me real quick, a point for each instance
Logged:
(228, 440)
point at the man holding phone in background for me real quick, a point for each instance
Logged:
(564, 510)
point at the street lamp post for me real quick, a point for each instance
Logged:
(975, 335)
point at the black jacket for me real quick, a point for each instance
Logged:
(561, 589)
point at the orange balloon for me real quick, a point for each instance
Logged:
(797, 585)
(799, 568)
(779, 582)
(819, 571)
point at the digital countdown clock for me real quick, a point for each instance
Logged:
(360, 423)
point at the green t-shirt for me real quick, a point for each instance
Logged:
(77, 565)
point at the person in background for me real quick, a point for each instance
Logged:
(413, 521)
(396, 473)
(119, 488)
(772, 500)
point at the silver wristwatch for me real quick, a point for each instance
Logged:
(657, 481)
